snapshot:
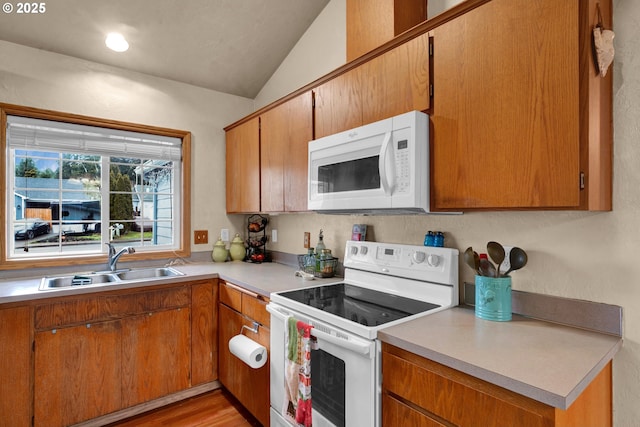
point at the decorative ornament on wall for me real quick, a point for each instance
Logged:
(603, 42)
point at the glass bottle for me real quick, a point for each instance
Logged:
(320, 246)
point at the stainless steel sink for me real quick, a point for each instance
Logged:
(148, 273)
(76, 280)
(102, 278)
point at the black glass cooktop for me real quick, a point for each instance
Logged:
(365, 306)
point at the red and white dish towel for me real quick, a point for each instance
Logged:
(297, 373)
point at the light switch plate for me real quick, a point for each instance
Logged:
(274, 236)
(224, 234)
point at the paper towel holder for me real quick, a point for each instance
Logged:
(256, 325)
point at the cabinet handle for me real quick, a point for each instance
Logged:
(243, 290)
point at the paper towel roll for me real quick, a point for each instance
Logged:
(249, 351)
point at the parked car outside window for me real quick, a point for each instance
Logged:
(32, 228)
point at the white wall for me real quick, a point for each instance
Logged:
(36, 78)
(322, 49)
(584, 255)
(435, 7)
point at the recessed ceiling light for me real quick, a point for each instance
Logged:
(117, 42)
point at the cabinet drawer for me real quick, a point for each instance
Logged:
(396, 413)
(99, 308)
(456, 397)
(252, 305)
(255, 309)
(231, 296)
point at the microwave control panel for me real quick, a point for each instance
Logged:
(402, 166)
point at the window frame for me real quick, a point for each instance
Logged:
(183, 246)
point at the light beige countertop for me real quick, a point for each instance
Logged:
(545, 361)
(259, 278)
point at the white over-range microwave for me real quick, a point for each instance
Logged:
(382, 167)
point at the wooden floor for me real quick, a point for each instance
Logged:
(217, 408)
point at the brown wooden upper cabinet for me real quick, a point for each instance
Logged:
(243, 167)
(267, 159)
(285, 132)
(520, 118)
(395, 82)
(370, 24)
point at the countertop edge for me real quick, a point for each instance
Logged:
(56, 293)
(527, 390)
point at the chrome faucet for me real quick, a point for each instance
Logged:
(113, 256)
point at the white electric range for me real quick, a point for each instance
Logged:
(384, 285)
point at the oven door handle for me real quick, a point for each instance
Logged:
(363, 348)
(360, 348)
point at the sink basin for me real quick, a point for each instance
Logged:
(101, 278)
(148, 273)
(76, 280)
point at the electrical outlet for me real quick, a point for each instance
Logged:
(506, 264)
(274, 236)
(201, 237)
(224, 234)
(307, 239)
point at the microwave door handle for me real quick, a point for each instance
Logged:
(387, 186)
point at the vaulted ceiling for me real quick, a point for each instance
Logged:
(232, 46)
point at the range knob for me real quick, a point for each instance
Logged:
(364, 250)
(433, 260)
(354, 250)
(419, 257)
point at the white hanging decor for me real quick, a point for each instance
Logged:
(603, 41)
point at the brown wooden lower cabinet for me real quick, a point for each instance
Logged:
(16, 332)
(423, 393)
(156, 355)
(204, 332)
(250, 386)
(70, 359)
(78, 373)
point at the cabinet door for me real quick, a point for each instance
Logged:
(274, 143)
(15, 365)
(78, 373)
(392, 83)
(338, 104)
(243, 168)
(297, 155)
(156, 356)
(370, 24)
(506, 107)
(285, 132)
(249, 386)
(204, 332)
(397, 81)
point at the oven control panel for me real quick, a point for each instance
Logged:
(426, 263)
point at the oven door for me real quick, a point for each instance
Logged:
(345, 375)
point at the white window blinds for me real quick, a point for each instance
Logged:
(46, 135)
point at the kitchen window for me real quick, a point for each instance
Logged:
(72, 187)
